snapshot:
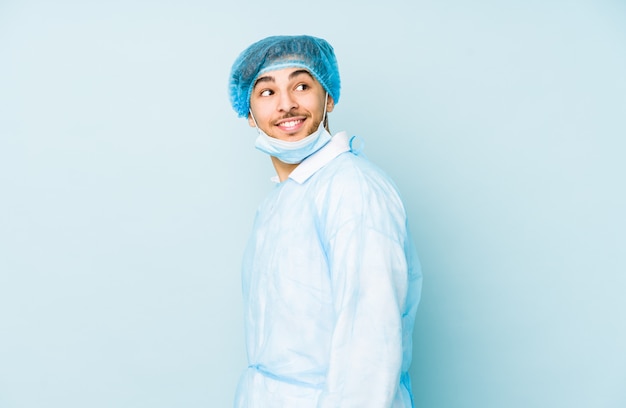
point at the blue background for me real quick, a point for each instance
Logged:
(128, 187)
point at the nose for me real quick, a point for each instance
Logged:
(286, 102)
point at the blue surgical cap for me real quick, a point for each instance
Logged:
(277, 52)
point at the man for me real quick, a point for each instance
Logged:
(331, 281)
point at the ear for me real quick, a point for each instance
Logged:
(330, 104)
(250, 120)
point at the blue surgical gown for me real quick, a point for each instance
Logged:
(331, 283)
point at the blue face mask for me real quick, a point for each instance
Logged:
(293, 152)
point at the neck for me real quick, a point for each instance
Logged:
(283, 170)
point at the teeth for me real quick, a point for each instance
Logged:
(290, 123)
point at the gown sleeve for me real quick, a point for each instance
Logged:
(366, 237)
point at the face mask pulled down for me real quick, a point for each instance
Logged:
(293, 152)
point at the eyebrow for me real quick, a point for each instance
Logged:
(269, 78)
(300, 72)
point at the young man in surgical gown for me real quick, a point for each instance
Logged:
(331, 280)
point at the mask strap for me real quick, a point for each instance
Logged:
(254, 120)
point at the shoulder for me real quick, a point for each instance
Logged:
(353, 183)
(352, 171)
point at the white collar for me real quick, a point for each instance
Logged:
(339, 143)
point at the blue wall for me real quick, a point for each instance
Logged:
(128, 186)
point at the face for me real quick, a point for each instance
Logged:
(288, 104)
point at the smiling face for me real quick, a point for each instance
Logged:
(288, 104)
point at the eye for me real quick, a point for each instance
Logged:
(302, 87)
(266, 92)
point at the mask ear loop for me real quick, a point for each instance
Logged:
(256, 125)
(324, 123)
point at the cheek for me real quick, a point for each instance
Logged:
(259, 110)
(261, 105)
